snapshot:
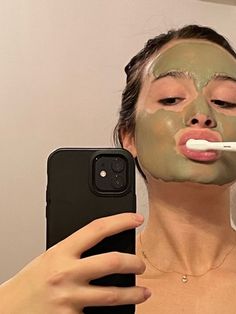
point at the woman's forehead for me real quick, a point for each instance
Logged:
(200, 59)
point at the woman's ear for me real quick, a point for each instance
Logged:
(129, 143)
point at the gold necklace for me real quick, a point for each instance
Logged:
(184, 276)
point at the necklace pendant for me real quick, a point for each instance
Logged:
(184, 278)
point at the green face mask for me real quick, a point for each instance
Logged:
(194, 77)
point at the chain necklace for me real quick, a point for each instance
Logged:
(184, 276)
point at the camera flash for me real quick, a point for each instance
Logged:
(103, 174)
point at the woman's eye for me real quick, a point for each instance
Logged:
(170, 101)
(223, 104)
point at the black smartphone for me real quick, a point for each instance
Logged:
(86, 184)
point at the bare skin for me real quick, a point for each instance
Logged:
(58, 280)
(190, 239)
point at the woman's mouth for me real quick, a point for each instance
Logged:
(204, 156)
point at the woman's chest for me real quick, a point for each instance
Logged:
(169, 297)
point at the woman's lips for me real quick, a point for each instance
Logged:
(209, 155)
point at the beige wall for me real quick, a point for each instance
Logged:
(61, 78)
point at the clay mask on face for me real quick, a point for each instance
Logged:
(159, 127)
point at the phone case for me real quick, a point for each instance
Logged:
(73, 201)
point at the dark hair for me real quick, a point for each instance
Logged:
(134, 70)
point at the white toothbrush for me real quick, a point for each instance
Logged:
(206, 145)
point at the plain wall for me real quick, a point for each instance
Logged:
(61, 77)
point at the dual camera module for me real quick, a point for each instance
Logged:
(110, 173)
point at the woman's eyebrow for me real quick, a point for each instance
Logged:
(223, 77)
(174, 74)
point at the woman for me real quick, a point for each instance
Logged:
(185, 90)
(182, 85)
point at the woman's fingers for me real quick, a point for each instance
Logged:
(69, 276)
(111, 296)
(99, 229)
(97, 266)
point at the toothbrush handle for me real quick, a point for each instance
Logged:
(226, 146)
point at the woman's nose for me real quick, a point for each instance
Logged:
(201, 120)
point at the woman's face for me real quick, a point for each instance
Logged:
(189, 91)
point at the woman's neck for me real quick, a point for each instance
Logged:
(188, 229)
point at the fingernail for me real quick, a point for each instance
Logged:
(139, 218)
(147, 293)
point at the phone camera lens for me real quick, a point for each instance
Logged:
(118, 164)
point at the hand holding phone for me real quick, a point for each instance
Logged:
(57, 281)
(89, 268)
(84, 185)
